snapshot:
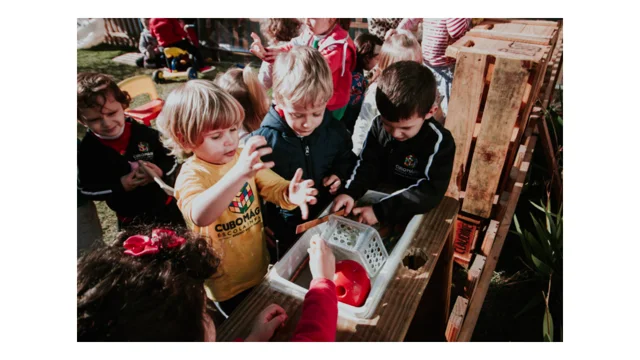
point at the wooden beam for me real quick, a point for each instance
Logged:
(498, 48)
(456, 319)
(466, 94)
(489, 237)
(474, 274)
(505, 216)
(515, 31)
(499, 117)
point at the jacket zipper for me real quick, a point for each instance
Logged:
(307, 159)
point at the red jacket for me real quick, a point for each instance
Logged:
(340, 52)
(167, 31)
(319, 318)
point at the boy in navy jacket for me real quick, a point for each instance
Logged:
(304, 135)
(405, 148)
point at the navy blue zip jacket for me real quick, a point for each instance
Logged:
(420, 168)
(325, 152)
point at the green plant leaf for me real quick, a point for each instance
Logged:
(543, 238)
(530, 305)
(515, 221)
(541, 266)
(547, 325)
(559, 119)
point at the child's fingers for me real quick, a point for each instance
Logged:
(311, 200)
(307, 183)
(297, 176)
(255, 142)
(334, 187)
(255, 37)
(304, 209)
(261, 165)
(348, 207)
(311, 192)
(264, 151)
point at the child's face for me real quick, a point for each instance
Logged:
(105, 119)
(320, 26)
(218, 146)
(303, 121)
(404, 129)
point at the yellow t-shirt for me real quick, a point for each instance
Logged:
(237, 235)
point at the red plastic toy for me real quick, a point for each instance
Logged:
(352, 283)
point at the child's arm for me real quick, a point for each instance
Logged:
(319, 318)
(457, 27)
(368, 112)
(206, 207)
(342, 164)
(264, 75)
(367, 169)
(426, 193)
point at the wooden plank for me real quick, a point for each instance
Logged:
(397, 306)
(489, 237)
(498, 48)
(474, 274)
(466, 94)
(456, 319)
(509, 31)
(505, 216)
(526, 21)
(498, 120)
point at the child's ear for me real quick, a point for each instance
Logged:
(431, 112)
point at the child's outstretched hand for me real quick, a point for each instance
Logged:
(366, 215)
(257, 49)
(249, 161)
(343, 200)
(322, 262)
(302, 193)
(272, 317)
(333, 181)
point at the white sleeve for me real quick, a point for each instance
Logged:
(264, 75)
(368, 112)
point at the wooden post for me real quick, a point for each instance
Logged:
(499, 117)
(456, 319)
(466, 94)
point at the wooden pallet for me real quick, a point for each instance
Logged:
(492, 116)
(494, 89)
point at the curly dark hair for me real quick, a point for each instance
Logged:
(276, 30)
(93, 89)
(365, 45)
(154, 297)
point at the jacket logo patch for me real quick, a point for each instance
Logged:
(243, 200)
(410, 161)
(143, 146)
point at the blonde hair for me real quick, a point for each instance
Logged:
(192, 109)
(398, 47)
(245, 87)
(302, 77)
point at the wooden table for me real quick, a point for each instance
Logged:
(415, 304)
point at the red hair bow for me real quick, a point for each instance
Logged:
(138, 245)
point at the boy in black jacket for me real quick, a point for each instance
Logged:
(304, 135)
(111, 153)
(405, 148)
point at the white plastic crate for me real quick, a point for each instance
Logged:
(356, 241)
(280, 275)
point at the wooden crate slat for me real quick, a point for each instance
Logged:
(474, 274)
(456, 319)
(489, 237)
(499, 117)
(514, 31)
(526, 21)
(466, 95)
(505, 217)
(502, 48)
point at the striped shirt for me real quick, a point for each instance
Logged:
(437, 34)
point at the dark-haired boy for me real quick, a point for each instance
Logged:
(405, 148)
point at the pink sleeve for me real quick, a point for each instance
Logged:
(319, 318)
(457, 27)
(409, 23)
